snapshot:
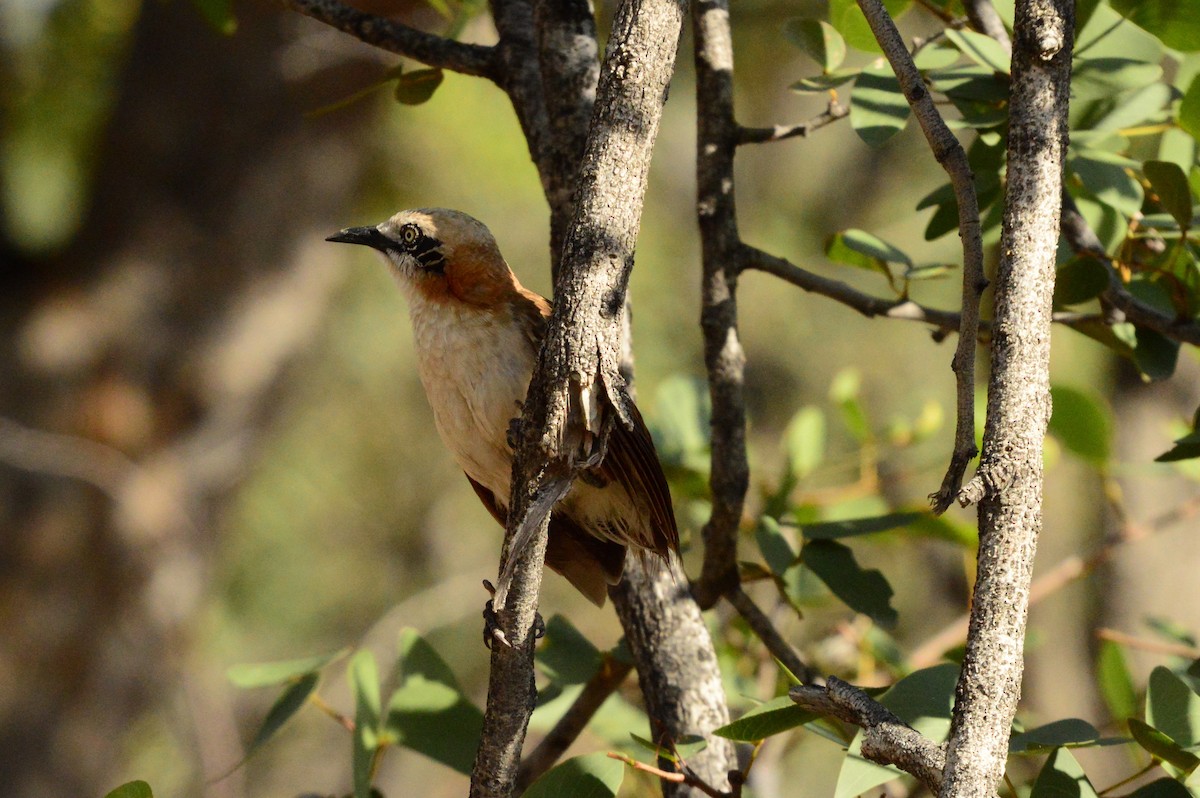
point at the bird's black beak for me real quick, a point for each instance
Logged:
(367, 236)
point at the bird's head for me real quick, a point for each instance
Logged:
(440, 255)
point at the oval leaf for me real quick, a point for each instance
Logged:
(1081, 423)
(863, 590)
(1069, 731)
(1173, 707)
(287, 705)
(1173, 21)
(878, 109)
(852, 527)
(587, 776)
(1162, 746)
(1062, 777)
(982, 49)
(565, 655)
(266, 674)
(775, 716)
(1171, 186)
(1079, 280)
(416, 87)
(1115, 681)
(819, 40)
(804, 440)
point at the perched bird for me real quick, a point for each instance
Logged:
(477, 331)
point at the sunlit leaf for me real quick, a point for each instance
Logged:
(265, 674)
(804, 440)
(819, 40)
(860, 248)
(1081, 423)
(1173, 707)
(587, 776)
(1115, 681)
(774, 716)
(1062, 777)
(776, 549)
(1108, 178)
(862, 590)
(934, 57)
(1189, 109)
(1174, 21)
(1160, 745)
(846, 16)
(980, 48)
(1069, 731)
(1171, 186)
(686, 746)
(878, 109)
(133, 789)
(943, 527)
(819, 83)
(364, 682)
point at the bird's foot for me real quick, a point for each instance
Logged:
(492, 632)
(513, 436)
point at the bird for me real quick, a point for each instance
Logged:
(476, 333)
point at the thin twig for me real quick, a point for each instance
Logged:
(684, 777)
(766, 631)
(953, 158)
(603, 683)
(983, 17)
(761, 135)
(428, 48)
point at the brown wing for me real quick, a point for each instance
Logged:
(632, 461)
(588, 563)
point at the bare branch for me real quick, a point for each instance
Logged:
(870, 306)
(1156, 646)
(720, 246)
(761, 135)
(983, 17)
(603, 683)
(428, 48)
(1010, 472)
(950, 154)
(769, 635)
(887, 740)
(677, 777)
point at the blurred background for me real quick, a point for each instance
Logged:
(214, 448)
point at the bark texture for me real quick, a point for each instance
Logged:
(577, 392)
(1009, 482)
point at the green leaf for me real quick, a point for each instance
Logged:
(850, 22)
(1081, 423)
(427, 712)
(565, 655)
(1108, 178)
(133, 789)
(844, 391)
(819, 40)
(1162, 788)
(287, 705)
(942, 527)
(218, 14)
(861, 249)
(923, 699)
(1155, 355)
(878, 109)
(970, 82)
(364, 683)
(804, 441)
(826, 82)
(416, 87)
(935, 57)
(1080, 279)
(1069, 731)
(776, 549)
(980, 48)
(686, 746)
(265, 674)
(775, 716)
(1189, 109)
(1162, 746)
(1172, 707)
(831, 530)
(682, 423)
(1115, 681)
(587, 776)
(1174, 21)
(863, 590)
(1062, 777)
(1171, 186)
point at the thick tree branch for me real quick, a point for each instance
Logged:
(950, 154)
(1010, 472)
(428, 48)
(887, 740)
(720, 247)
(577, 392)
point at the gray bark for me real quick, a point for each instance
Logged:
(1009, 482)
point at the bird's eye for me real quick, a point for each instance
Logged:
(409, 234)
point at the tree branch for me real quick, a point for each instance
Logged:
(1010, 472)
(577, 393)
(762, 135)
(950, 154)
(428, 48)
(887, 740)
(720, 247)
(761, 625)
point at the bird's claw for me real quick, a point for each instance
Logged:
(492, 632)
(513, 436)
